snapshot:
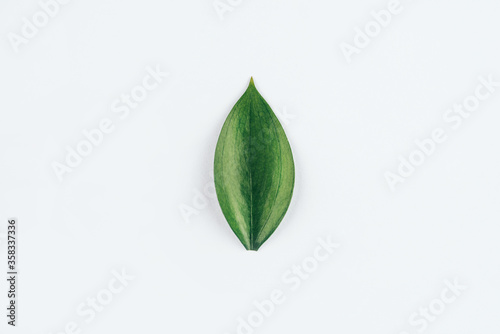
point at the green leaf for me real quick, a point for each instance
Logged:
(253, 170)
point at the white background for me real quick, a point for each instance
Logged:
(121, 207)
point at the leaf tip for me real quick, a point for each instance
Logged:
(251, 82)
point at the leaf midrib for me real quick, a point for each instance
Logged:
(249, 163)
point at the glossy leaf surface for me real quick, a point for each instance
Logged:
(253, 170)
